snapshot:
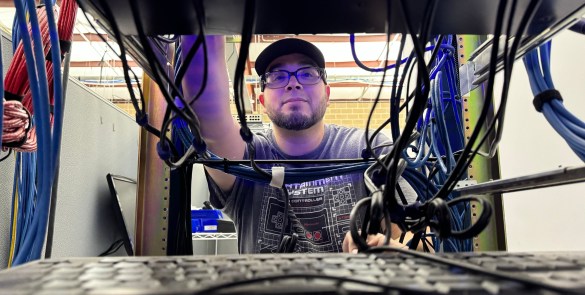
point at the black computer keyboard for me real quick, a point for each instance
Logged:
(382, 273)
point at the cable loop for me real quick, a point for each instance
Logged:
(438, 208)
(163, 150)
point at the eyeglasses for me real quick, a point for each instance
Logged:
(305, 76)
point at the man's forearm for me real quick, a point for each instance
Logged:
(212, 106)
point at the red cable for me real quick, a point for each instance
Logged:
(17, 82)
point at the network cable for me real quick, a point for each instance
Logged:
(35, 172)
(549, 101)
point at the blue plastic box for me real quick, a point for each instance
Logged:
(205, 220)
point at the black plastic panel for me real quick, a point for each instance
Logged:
(327, 16)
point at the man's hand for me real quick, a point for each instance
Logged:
(373, 240)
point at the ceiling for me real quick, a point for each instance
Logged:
(98, 67)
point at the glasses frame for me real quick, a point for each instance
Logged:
(322, 76)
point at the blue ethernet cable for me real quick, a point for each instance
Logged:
(389, 67)
(35, 63)
(57, 85)
(20, 257)
(567, 125)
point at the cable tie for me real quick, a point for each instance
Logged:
(12, 96)
(16, 144)
(246, 135)
(225, 165)
(163, 151)
(142, 119)
(277, 176)
(366, 154)
(199, 145)
(65, 46)
(545, 97)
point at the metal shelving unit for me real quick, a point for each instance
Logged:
(214, 236)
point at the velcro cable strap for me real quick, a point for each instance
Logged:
(65, 46)
(12, 96)
(277, 176)
(545, 97)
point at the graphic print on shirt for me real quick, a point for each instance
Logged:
(318, 212)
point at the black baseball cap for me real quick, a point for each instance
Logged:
(284, 47)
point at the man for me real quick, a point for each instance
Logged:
(295, 96)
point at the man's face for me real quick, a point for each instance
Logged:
(295, 106)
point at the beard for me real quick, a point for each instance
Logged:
(296, 121)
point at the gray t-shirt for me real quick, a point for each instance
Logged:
(319, 210)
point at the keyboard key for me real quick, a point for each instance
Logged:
(337, 272)
(568, 276)
(61, 284)
(96, 284)
(95, 276)
(563, 265)
(461, 288)
(58, 292)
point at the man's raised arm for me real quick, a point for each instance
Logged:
(219, 130)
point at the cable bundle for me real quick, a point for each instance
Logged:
(437, 211)
(549, 101)
(426, 153)
(41, 85)
(17, 82)
(17, 123)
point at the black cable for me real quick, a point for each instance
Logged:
(228, 162)
(54, 189)
(522, 279)
(200, 19)
(220, 288)
(458, 169)
(113, 248)
(369, 139)
(139, 110)
(188, 59)
(158, 72)
(187, 112)
(247, 31)
(453, 264)
(529, 14)
(6, 156)
(509, 64)
(353, 224)
(423, 74)
(394, 99)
